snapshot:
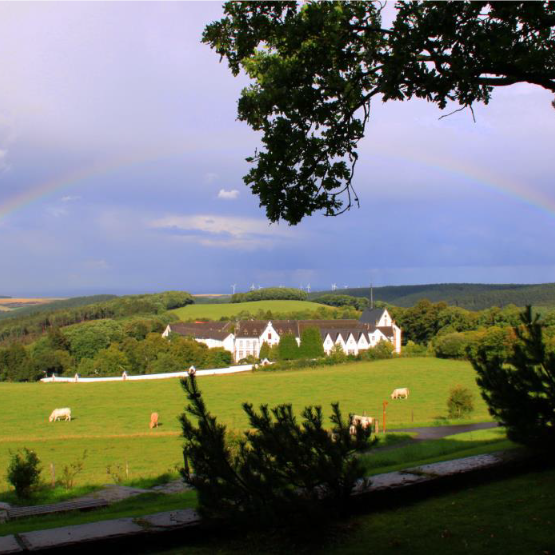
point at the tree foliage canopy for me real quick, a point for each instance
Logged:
(520, 389)
(315, 68)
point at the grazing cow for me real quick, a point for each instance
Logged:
(400, 393)
(154, 420)
(59, 413)
(365, 422)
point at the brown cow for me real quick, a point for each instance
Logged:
(154, 420)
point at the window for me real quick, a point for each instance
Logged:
(240, 355)
(269, 336)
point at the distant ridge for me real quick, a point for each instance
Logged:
(55, 305)
(472, 296)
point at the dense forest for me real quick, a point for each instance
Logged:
(472, 296)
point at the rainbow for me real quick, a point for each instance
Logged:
(479, 176)
(76, 177)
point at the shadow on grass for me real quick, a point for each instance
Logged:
(426, 452)
(45, 495)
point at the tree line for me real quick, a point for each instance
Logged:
(30, 327)
(472, 296)
(271, 294)
(108, 348)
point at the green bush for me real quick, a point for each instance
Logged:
(71, 470)
(412, 349)
(384, 349)
(451, 345)
(24, 472)
(460, 402)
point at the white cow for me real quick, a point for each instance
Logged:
(59, 413)
(365, 422)
(400, 393)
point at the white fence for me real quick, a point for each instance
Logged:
(125, 378)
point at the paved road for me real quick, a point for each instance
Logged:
(437, 432)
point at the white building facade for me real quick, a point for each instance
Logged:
(245, 338)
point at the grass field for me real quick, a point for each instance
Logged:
(111, 420)
(216, 311)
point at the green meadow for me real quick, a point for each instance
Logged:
(216, 311)
(111, 420)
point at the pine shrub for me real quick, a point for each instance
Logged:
(280, 472)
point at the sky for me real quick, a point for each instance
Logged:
(121, 165)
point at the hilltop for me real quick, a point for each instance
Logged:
(472, 296)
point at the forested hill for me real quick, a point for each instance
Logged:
(73, 302)
(472, 296)
(31, 326)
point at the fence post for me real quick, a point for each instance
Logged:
(126, 469)
(53, 474)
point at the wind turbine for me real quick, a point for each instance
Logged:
(233, 287)
(308, 288)
(252, 287)
(333, 286)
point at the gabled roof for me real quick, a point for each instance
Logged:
(250, 328)
(387, 331)
(203, 330)
(372, 316)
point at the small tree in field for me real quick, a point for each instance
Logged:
(288, 347)
(520, 389)
(282, 472)
(264, 351)
(311, 343)
(24, 472)
(460, 402)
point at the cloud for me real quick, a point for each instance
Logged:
(69, 198)
(228, 195)
(210, 177)
(56, 211)
(4, 165)
(99, 264)
(223, 231)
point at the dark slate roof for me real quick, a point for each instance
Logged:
(203, 330)
(372, 316)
